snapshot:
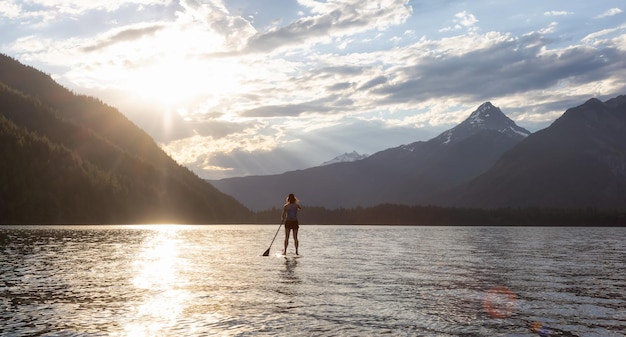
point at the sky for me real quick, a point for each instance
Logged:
(234, 88)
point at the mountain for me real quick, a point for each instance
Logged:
(408, 174)
(69, 158)
(579, 161)
(346, 157)
(486, 117)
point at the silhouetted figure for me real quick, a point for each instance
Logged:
(290, 218)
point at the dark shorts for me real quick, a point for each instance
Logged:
(292, 224)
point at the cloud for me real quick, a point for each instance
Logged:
(610, 12)
(558, 13)
(339, 86)
(10, 9)
(219, 88)
(462, 20)
(374, 82)
(215, 17)
(594, 37)
(495, 65)
(127, 34)
(333, 19)
(79, 7)
(14, 11)
(53, 13)
(319, 106)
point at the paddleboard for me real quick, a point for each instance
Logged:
(288, 255)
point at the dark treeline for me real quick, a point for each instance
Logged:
(442, 216)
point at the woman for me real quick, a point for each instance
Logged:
(290, 218)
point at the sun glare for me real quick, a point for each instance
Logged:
(157, 276)
(177, 71)
(171, 81)
(157, 265)
(177, 83)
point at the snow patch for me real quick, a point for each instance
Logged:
(346, 157)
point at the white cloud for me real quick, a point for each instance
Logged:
(558, 13)
(595, 36)
(610, 12)
(462, 20)
(75, 7)
(466, 19)
(548, 30)
(10, 9)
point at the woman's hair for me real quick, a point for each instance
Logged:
(291, 198)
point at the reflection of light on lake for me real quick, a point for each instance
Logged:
(354, 280)
(158, 274)
(156, 264)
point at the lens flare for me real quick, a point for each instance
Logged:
(499, 302)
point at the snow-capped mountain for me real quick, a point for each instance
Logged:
(346, 157)
(486, 117)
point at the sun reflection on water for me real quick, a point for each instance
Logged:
(156, 265)
(158, 273)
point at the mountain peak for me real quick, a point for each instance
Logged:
(485, 111)
(595, 114)
(346, 157)
(486, 117)
(485, 107)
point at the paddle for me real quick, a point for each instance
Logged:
(267, 252)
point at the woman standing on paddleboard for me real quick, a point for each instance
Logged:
(290, 218)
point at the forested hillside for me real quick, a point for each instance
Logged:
(70, 158)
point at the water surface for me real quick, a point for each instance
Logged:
(349, 281)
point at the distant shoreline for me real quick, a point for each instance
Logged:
(306, 225)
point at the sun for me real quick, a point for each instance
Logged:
(175, 68)
(173, 82)
(166, 81)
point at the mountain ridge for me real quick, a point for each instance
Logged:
(486, 162)
(578, 161)
(406, 174)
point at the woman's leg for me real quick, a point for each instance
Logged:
(295, 239)
(286, 240)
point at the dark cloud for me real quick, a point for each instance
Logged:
(284, 110)
(322, 105)
(342, 20)
(341, 70)
(376, 81)
(218, 128)
(342, 73)
(126, 35)
(510, 67)
(296, 33)
(339, 86)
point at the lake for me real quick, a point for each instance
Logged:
(170, 280)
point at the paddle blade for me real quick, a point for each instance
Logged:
(267, 252)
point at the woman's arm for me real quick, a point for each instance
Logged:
(283, 214)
